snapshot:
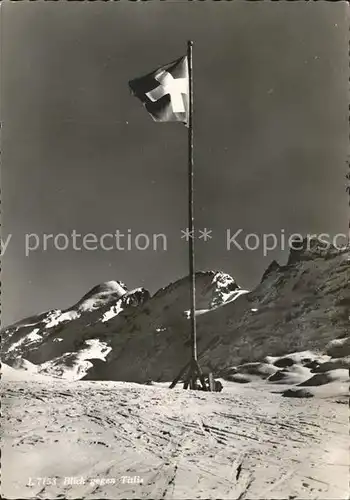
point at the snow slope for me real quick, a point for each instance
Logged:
(86, 438)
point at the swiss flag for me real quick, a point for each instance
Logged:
(165, 91)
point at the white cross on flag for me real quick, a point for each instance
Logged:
(165, 92)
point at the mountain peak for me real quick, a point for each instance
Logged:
(273, 266)
(102, 293)
(224, 287)
(107, 287)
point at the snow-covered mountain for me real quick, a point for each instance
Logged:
(116, 334)
(54, 342)
(61, 342)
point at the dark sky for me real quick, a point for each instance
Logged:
(79, 152)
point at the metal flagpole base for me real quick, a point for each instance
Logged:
(194, 379)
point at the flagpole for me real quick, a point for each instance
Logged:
(192, 368)
(191, 226)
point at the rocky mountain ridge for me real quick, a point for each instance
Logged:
(116, 334)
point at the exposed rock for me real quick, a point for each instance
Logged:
(284, 362)
(240, 378)
(262, 370)
(297, 393)
(291, 375)
(333, 364)
(339, 375)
